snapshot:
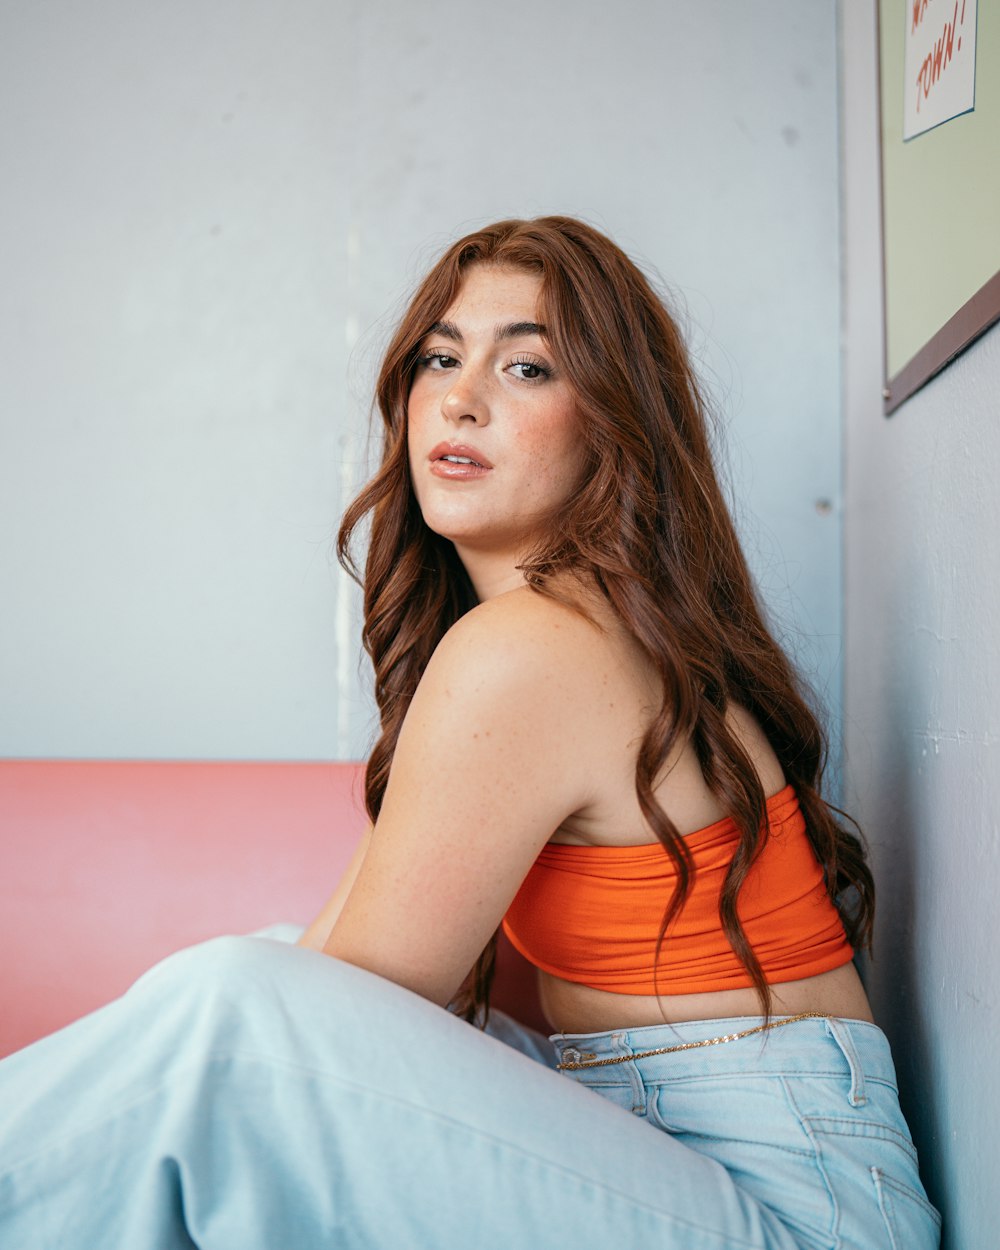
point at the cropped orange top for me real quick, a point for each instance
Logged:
(591, 914)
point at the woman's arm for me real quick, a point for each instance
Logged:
(316, 935)
(487, 765)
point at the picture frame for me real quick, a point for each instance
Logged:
(940, 191)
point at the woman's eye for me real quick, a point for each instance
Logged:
(437, 360)
(529, 370)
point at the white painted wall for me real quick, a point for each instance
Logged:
(922, 733)
(211, 207)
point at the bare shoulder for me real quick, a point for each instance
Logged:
(516, 673)
(524, 623)
(536, 649)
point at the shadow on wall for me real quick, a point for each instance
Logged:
(895, 979)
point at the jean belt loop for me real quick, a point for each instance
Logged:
(841, 1033)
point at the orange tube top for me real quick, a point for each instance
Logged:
(591, 914)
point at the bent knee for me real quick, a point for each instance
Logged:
(223, 963)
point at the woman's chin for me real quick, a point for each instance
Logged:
(472, 532)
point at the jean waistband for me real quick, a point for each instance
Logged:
(806, 1046)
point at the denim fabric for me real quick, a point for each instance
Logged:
(250, 1095)
(804, 1117)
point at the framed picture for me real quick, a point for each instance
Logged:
(939, 67)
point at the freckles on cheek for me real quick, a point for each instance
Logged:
(552, 439)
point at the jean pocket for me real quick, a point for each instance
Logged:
(749, 1126)
(910, 1220)
(870, 1169)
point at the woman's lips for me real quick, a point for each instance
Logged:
(458, 462)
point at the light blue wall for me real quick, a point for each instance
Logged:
(215, 205)
(922, 737)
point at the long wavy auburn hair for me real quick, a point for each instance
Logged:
(648, 526)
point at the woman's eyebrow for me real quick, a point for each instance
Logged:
(512, 330)
(518, 329)
(447, 330)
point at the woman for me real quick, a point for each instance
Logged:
(589, 736)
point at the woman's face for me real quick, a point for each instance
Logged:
(493, 433)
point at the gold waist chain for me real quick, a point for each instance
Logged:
(592, 1062)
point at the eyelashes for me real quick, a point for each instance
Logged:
(439, 360)
(541, 372)
(526, 368)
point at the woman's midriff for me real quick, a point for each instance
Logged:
(572, 1008)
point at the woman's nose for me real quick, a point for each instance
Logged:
(466, 400)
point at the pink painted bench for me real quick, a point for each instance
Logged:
(107, 867)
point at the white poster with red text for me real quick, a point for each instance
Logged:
(939, 77)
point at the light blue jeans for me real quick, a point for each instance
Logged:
(250, 1095)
